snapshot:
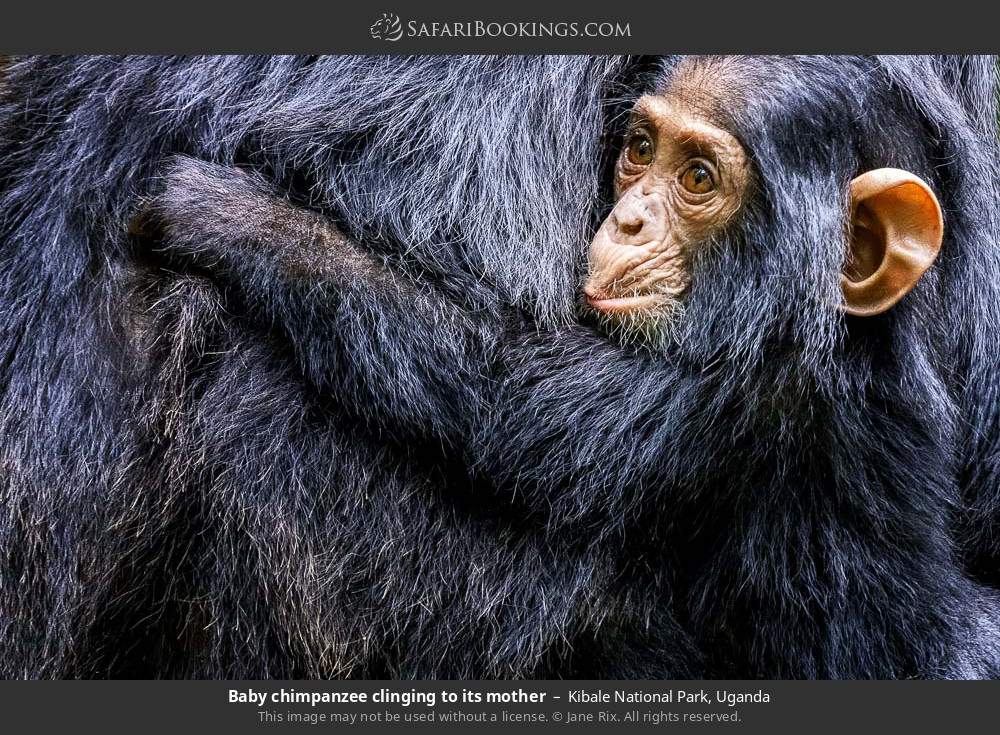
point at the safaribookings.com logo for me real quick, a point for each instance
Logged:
(390, 28)
(387, 28)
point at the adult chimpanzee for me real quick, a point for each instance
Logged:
(777, 490)
(677, 234)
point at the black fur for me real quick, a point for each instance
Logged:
(378, 483)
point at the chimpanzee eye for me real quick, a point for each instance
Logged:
(697, 179)
(640, 150)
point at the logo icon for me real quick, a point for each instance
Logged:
(387, 28)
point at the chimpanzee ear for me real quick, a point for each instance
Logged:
(896, 230)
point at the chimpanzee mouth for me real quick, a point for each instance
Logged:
(635, 304)
(627, 304)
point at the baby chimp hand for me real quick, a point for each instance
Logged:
(226, 219)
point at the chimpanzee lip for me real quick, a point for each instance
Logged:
(626, 304)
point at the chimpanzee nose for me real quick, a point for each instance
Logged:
(629, 223)
(636, 219)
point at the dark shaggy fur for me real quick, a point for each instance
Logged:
(373, 481)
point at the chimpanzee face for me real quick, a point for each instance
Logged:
(682, 178)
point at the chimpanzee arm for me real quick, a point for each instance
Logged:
(413, 361)
(395, 351)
